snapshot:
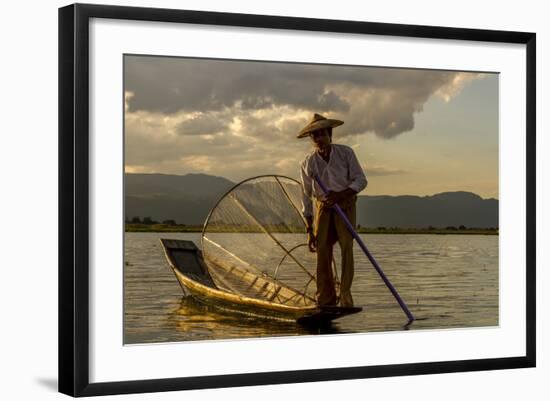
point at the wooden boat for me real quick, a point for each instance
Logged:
(226, 286)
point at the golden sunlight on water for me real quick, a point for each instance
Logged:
(448, 281)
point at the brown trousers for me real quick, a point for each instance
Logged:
(330, 228)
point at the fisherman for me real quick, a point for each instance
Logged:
(338, 168)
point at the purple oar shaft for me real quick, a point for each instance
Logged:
(366, 251)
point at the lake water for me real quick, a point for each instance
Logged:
(448, 281)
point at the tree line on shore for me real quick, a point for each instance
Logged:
(149, 221)
(146, 223)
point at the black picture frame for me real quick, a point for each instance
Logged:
(74, 198)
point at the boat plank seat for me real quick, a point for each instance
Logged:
(187, 258)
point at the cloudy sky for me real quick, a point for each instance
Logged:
(415, 132)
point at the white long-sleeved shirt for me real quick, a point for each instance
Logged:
(342, 171)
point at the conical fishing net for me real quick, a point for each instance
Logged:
(255, 245)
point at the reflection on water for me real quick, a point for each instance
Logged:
(197, 320)
(448, 281)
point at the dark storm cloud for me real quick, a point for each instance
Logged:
(331, 101)
(368, 99)
(169, 85)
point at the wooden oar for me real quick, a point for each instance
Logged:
(366, 251)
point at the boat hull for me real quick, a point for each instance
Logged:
(186, 261)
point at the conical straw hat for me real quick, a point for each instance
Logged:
(318, 122)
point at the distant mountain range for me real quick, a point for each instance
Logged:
(187, 199)
(439, 210)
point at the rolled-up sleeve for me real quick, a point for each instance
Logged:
(307, 190)
(356, 173)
